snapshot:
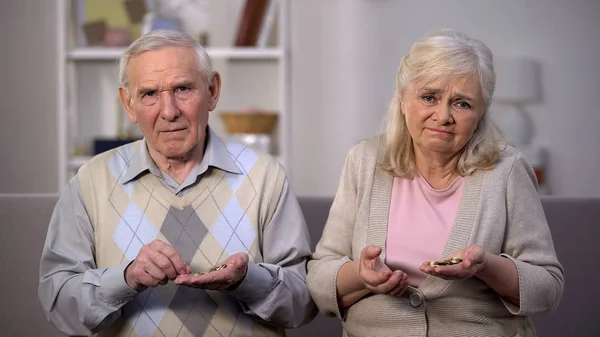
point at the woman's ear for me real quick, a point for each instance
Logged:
(402, 105)
(480, 122)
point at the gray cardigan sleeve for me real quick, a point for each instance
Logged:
(335, 246)
(78, 298)
(528, 243)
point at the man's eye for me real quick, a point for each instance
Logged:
(149, 94)
(182, 88)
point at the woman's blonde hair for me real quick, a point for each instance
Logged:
(441, 56)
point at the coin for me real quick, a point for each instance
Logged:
(447, 262)
(455, 260)
(215, 268)
(223, 266)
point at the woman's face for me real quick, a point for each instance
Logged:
(441, 117)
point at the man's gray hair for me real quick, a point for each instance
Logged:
(159, 39)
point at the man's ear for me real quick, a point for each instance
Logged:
(214, 89)
(126, 102)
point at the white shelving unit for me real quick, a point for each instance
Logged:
(78, 90)
(113, 54)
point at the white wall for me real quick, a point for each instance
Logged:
(346, 53)
(28, 94)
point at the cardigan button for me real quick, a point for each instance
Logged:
(416, 299)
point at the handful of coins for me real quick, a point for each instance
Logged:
(215, 268)
(448, 262)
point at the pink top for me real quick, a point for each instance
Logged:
(419, 224)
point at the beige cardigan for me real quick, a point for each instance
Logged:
(500, 210)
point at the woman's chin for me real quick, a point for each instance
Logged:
(439, 147)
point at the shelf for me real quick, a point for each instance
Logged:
(256, 76)
(78, 161)
(113, 54)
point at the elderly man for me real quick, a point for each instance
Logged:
(181, 233)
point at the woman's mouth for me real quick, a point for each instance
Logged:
(440, 132)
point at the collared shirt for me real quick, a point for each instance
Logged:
(215, 155)
(81, 299)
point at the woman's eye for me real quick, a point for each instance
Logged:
(427, 98)
(463, 105)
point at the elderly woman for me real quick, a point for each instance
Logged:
(437, 186)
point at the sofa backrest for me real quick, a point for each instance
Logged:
(22, 233)
(575, 227)
(574, 223)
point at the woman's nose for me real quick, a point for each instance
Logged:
(443, 114)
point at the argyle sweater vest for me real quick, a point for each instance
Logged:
(222, 215)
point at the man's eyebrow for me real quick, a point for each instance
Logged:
(184, 83)
(142, 90)
(178, 83)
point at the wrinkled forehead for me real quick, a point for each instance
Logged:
(467, 84)
(164, 65)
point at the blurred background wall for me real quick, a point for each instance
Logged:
(28, 96)
(345, 54)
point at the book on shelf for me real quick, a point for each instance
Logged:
(107, 23)
(250, 22)
(269, 23)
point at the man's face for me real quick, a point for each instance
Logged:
(169, 98)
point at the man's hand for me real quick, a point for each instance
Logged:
(231, 275)
(377, 277)
(156, 263)
(474, 261)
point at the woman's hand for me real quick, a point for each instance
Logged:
(474, 261)
(377, 277)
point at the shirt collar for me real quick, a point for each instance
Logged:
(216, 155)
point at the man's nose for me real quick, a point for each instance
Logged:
(168, 106)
